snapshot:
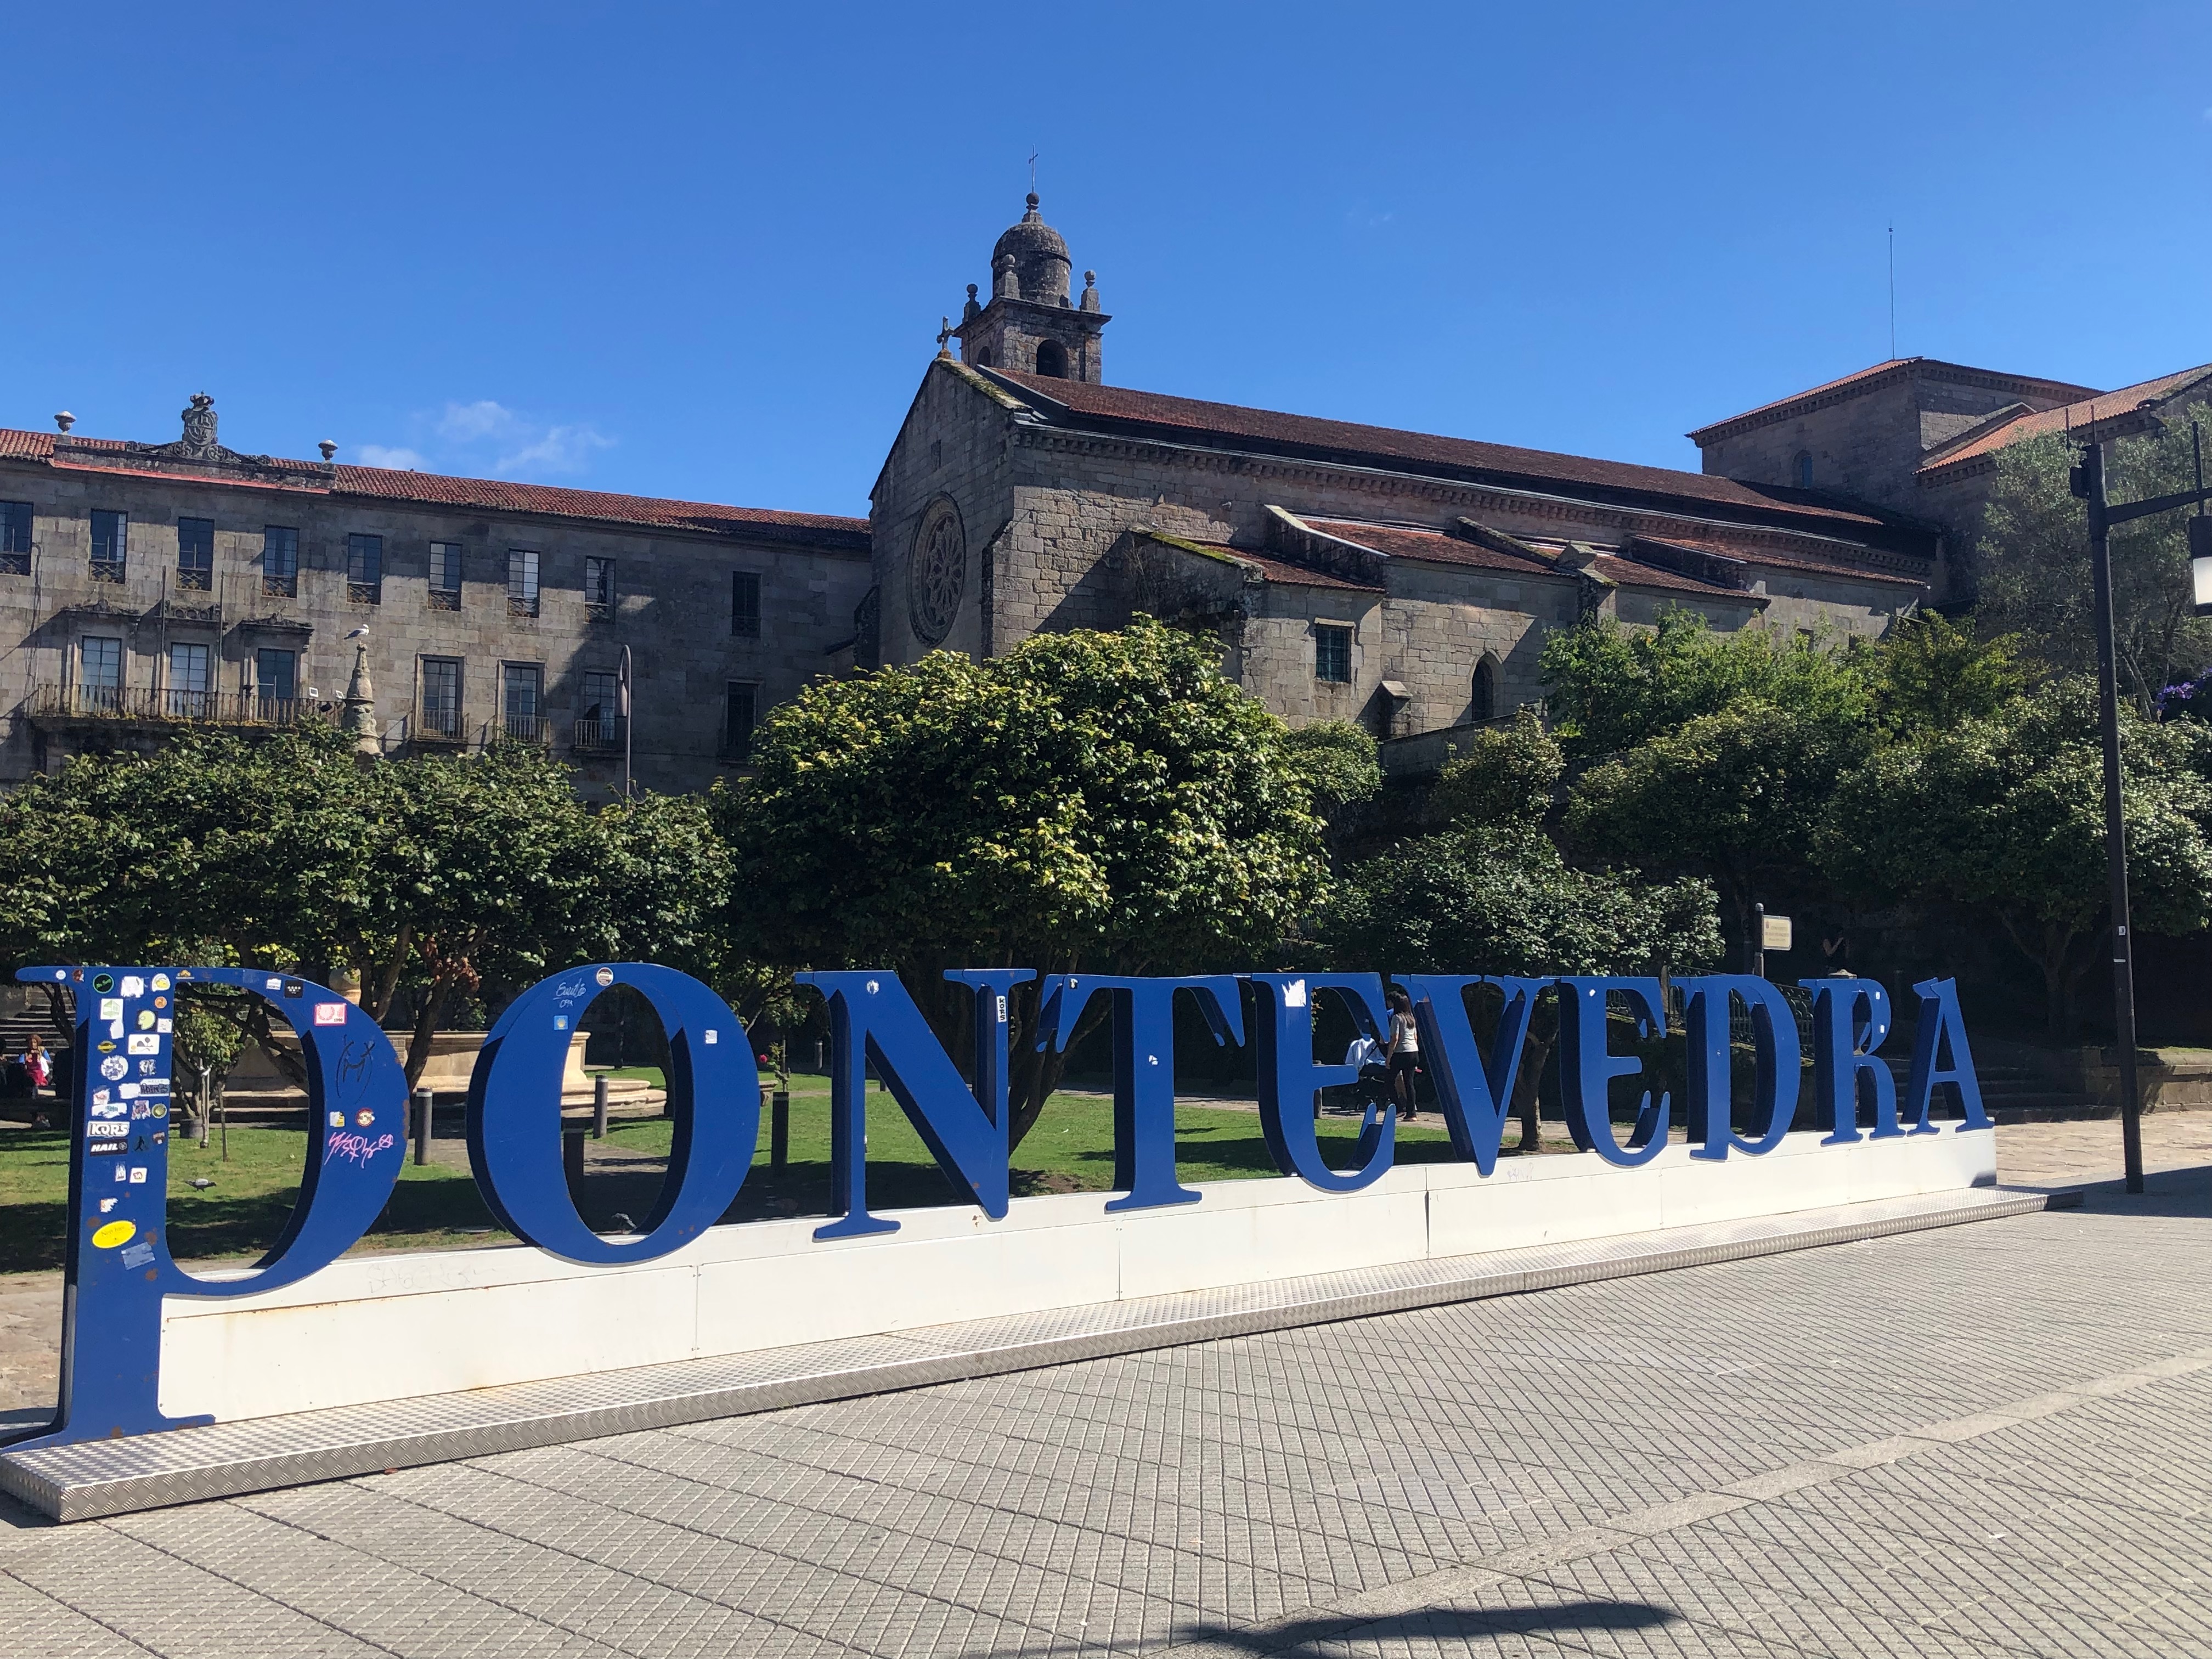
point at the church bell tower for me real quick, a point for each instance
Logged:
(1029, 326)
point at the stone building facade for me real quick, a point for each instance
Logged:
(1402, 580)
(1399, 579)
(145, 588)
(1921, 437)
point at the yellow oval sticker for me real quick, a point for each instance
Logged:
(114, 1233)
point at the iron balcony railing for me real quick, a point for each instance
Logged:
(440, 722)
(443, 599)
(166, 704)
(108, 570)
(280, 586)
(601, 737)
(525, 729)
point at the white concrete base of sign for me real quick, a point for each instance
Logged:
(187, 1465)
(398, 1327)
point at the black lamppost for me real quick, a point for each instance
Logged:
(2088, 483)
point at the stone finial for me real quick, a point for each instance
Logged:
(971, 309)
(64, 420)
(1002, 277)
(360, 713)
(1090, 290)
(328, 447)
(1033, 213)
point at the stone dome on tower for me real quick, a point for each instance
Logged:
(1041, 264)
(1029, 325)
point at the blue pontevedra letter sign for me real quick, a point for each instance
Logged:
(119, 1267)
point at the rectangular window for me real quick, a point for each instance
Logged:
(280, 562)
(365, 569)
(445, 575)
(738, 722)
(14, 538)
(276, 683)
(598, 717)
(522, 582)
(1333, 653)
(441, 697)
(745, 605)
(111, 538)
(187, 692)
(194, 554)
(521, 685)
(100, 675)
(599, 589)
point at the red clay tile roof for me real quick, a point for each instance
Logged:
(1783, 559)
(2052, 388)
(1619, 482)
(1405, 543)
(2103, 406)
(1289, 574)
(498, 495)
(1435, 545)
(492, 494)
(1634, 572)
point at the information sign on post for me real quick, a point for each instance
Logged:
(1774, 933)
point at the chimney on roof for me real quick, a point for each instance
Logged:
(64, 420)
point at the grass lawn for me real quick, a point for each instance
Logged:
(1070, 1149)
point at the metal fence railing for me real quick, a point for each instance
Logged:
(166, 704)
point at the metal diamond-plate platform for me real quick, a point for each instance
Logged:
(115, 1477)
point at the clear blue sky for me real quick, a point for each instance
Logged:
(702, 251)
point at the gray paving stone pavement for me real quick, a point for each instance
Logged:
(1992, 1439)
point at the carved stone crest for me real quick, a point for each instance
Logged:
(199, 428)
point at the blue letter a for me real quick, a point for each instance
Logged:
(872, 1017)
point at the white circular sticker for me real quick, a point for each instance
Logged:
(113, 1068)
(605, 976)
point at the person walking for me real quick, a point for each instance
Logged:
(1405, 1052)
(37, 1062)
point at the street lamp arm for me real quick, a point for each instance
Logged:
(2156, 504)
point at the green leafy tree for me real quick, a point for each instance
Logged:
(1931, 674)
(1493, 895)
(484, 867)
(2003, 817)
(1734, 796)
(1610, 687)
(1341, 762)
(2033, 561)
(1091, 800)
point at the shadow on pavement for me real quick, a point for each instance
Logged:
(2183, 1194)
(1292, 1637)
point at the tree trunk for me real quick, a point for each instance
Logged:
(378, 993)
(432, 1010)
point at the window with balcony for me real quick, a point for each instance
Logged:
(364, 569)
(737, 717)
(441, 697)
(1333, 653)
(598, 717)
(522, 700)
(745, 605)
(194, 554)
(110, 539)
(190, 680)
(522, 582)
(280, 562)
(276, 684)
(599, 589)
(100, 675)
(14, 538)
(445, 575)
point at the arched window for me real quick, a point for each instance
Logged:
(1483, 705)
(983, 357)
(1804, 469)
(1052, 359)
